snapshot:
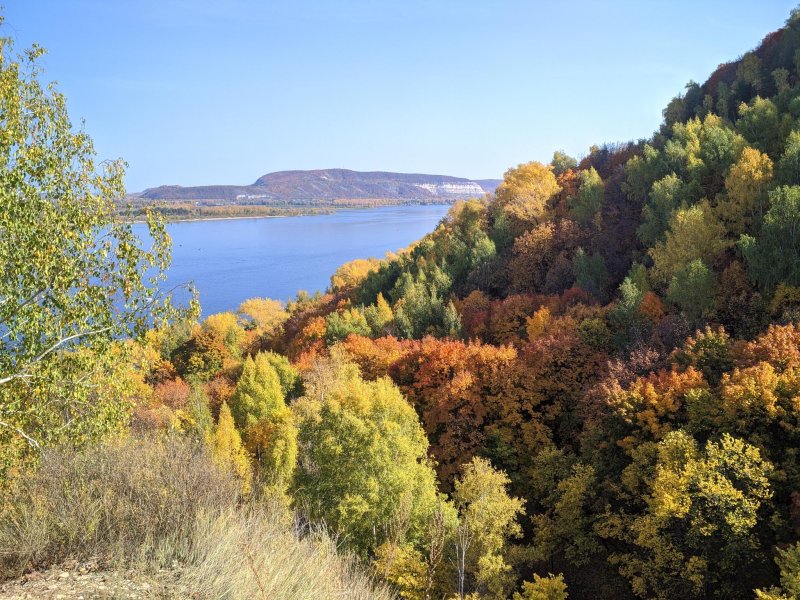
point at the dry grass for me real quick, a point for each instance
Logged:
(254, 555)
(137, 499)
(150, 503)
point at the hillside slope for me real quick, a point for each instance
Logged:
(588, 380)
(332, 184)
(620, 335)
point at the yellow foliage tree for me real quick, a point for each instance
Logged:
(746, 184)
(228, 450)
(350, 274)
(225, 327)
(267, 314)
(379, 316)
(699, 528)
(488, 520)
(260, 410)
(694, 233)
(404, 567)
(537, 324)
(525, 192)
(364, 454)
(551, 587)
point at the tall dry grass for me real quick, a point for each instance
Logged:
(132, 499)
(254, 555)
(151, 503)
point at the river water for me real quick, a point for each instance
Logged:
(234, 259)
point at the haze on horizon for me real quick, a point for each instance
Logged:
(198, 93)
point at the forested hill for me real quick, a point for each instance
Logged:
(603, 355)
(332, 184)
(619, 336)
(700, 216)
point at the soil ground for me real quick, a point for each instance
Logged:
(87, 582)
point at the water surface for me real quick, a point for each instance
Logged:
(235, 259)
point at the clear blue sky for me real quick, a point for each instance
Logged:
(197, 92)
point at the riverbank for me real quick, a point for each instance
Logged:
(187, 212)
(310, 213)
(197, 219)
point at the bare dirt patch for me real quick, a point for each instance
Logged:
(87, 582)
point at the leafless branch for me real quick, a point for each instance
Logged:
(52, 349)
(32, 442)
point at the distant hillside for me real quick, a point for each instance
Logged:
(331, 184)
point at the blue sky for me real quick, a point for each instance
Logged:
(196, 92)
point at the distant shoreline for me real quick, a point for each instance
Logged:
(223, 218)
(326, 211)
(168, 221)
(236, 217)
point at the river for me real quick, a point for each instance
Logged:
(234, 259)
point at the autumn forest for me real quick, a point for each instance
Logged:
(584, 385)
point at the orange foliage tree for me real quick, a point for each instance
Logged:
(455, 388)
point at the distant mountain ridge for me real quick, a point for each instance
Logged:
(331, 184)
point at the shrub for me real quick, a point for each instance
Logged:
(137, 499)
(160, 502)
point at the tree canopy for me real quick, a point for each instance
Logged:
(75, 274)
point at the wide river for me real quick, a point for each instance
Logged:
(232, 260)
